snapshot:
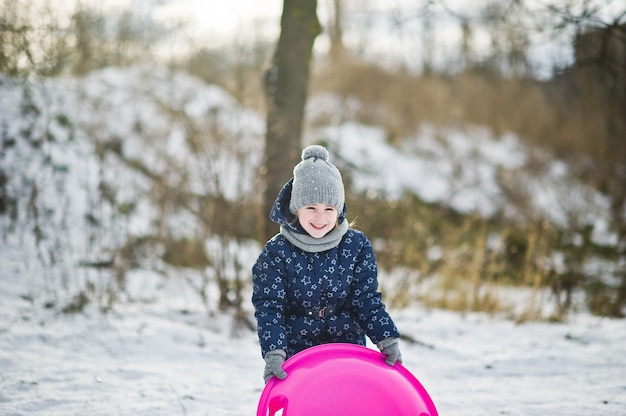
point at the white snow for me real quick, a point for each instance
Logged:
(169, 356)
(161, 351)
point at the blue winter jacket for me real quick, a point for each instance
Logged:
(288, 282)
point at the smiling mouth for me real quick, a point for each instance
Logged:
(318, 227)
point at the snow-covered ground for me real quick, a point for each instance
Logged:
(170, 357)
(159, 350)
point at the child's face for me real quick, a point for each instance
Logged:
(317, 219)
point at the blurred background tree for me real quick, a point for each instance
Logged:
(286, 87)
(38, 38)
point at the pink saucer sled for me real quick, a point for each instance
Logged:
(344, 380)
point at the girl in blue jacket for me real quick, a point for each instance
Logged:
(316, 281)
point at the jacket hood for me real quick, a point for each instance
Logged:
(281, 215)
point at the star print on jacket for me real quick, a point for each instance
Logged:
(287, 280)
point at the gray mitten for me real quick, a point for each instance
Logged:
(274, 360)
(391, 348)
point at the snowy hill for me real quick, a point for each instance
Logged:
(85, 169)
(83, 160)
(101, 171)
(464, 167)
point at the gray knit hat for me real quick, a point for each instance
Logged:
(316, 181)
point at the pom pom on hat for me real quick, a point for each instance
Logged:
(316, 181)
(315, 151)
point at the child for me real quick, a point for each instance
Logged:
(316, 281)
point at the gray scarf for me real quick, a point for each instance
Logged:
(315, 245)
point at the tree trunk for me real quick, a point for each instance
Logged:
(335, 33)
(286, 83)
